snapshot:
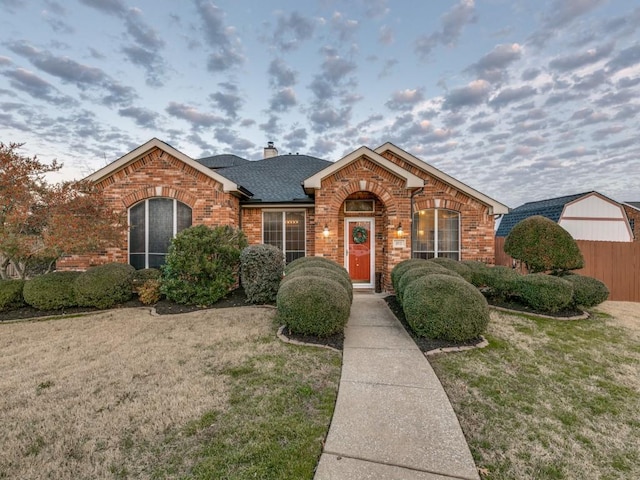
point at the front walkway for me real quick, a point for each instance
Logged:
(393, 420)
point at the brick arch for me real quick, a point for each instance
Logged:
(159, 191)
(428, 203)
(378, 190)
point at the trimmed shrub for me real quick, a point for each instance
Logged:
(445, 307)
(402, 267)
(149, 291)
(501, 281)
(51, 291)
(543, 246)
(418, 271)
(544, 293)
(587, 291)
(261, 269)
(322, 272)
(11, 294)
(104, 286)
(202, 264)
(460, 268)
(313, 306)
(316, 262)
(478, 270)
(144, 274)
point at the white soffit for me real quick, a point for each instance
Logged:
(412, 181)
(227, 185)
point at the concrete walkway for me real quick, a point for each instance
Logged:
(393, 420)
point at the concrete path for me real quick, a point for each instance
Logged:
(393, 420)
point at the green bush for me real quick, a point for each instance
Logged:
(402, 267)
(11, 294)
(322, 272)
(501, 281)
(104, 286)
(202, 264)
(544, 293)
(460, 268)
(587, 291)
(417, 271)
(445, 307)
(316, 262)
(261, 269)
(144, 274)
(51, 291)
(543, 245)
(313, 306)
(478, 271)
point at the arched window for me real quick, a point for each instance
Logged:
(154, 222)
(436, 233)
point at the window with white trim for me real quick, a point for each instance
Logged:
(436, 233)
(153, 224)
(285, 230)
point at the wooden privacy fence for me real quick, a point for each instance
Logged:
(616, 264)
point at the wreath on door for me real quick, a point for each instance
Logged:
(359, 234)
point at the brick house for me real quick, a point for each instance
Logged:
(367, 211)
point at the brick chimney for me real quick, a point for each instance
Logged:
(270, 151)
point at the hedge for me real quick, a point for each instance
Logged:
(316, 262)
(51, 291)
(313, 306)
(478, 271)
(402, 267)
(544, 293)
(445, 307)
(587, 291)
(460, 268)
(321, 272)
(417, 271)
(11, 294)
(501, 281)
(104, 286)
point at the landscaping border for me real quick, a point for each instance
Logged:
(584, 315)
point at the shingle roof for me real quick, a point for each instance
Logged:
(276, 179)
(551, 208)
(223, 161)
(634, 204)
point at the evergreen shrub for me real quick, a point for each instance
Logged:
(51, 291)
(261, 269)
(104, 286)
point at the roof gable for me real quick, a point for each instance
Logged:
(117, 165)
(498, 208)
(411, 181)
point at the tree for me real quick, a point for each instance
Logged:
(543, 245)
(40, 222)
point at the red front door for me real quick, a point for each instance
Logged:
(359, 250)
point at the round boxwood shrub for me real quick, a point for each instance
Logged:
(543, 246)
(51, 291)
(313, 306)
(104, 286)
(501, 281)
(418, 271)
(454, 265)
(445, 307)
(544, 293)
(322, 272)
(316, 262)
(261, 269)
(478, 270)
(402, 267)
(587, 291)
(202, 264)
(11, 294)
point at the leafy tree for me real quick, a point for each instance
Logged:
(40, 222)
(543, 245)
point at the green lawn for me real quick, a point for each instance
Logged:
(550, 399)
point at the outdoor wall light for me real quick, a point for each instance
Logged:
(325, 230)
(399, 230)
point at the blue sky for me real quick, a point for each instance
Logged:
(520, 99)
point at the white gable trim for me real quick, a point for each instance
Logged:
(227, 185)
(412, 181)
(498, 208)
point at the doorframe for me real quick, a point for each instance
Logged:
(372, 249)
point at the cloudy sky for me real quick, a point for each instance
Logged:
(521, 99)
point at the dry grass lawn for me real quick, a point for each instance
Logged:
(124, 394)
(552, 399)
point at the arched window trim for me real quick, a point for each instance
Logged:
(146, 201)
(435, 252)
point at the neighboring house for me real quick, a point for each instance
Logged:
(632, 209)
(367, 211)
(586, 216)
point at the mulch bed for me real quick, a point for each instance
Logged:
(335, 341)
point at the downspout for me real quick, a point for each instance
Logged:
(413, 194)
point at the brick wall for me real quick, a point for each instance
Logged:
(158, 174)
(634, 219)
